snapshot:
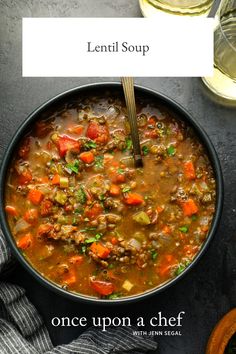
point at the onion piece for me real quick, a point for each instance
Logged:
(21, 225)
(135, 243)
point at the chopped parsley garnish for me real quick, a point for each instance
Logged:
(171, 150)
(129, 144)
(154, 255)
(102, 197)
(81, 196)
(88, 229)
(90, 145)
(180, 269)
(93, 239)
(83, 249)
(99, 161)
(74, 167)
(183, 229)
(120, 171)
(114, 296)
(145, 150)
(126, 189)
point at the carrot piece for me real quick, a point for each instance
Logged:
(133, 199)
(114, 190)
(31, 216)
(44, 179)
(76, 129)
(100, 250)
(35, 196)
(189, 170)
(11, 210)
(160, 209)
(102, 287)
(77, 260)
(166, 264)
(189, 207)
(87, 157)
(70, 278)
(25, 241)
(56, 179)
(166, 230)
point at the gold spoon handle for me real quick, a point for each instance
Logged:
(128, 87)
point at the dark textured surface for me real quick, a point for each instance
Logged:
(207, 292)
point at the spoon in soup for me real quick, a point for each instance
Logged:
(128, 87)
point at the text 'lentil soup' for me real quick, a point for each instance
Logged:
(90, 222)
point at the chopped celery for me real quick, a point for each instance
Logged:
(64, 182)
(61, 197)
(141, 218)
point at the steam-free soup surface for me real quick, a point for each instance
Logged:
(86, 219)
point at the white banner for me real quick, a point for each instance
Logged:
(77, 47)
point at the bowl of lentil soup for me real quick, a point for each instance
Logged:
(83, 220)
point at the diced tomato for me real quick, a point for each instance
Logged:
(25, 177)
(189, 170)
(114, 241)
(31, 216)
(76, 129)
(133, 199)
(56, 179)
(151, 121)
(165, 265)
(11, 210)
(78, 260)
(87, 157)
(66, 143)
(102, 287)
(24, 148)
(100, 250)
(98, 132)
(25, 241)
(35, 196)
(118, 176)
(114, 190)
(94, 211)
(166, 230)
(44, 229)
(160, 209)
(70, 278)
(152, 134)
(46, 207)
(189, 207)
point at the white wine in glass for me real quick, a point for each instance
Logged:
(223, 81)
(152, 8)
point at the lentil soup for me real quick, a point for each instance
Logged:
(90, 222)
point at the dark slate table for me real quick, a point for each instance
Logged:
(206, 293)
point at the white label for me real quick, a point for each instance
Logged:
(60, 47)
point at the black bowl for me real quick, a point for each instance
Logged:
(68, 97)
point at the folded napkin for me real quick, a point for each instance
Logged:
(22, 330)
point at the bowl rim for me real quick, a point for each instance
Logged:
(170, 104)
